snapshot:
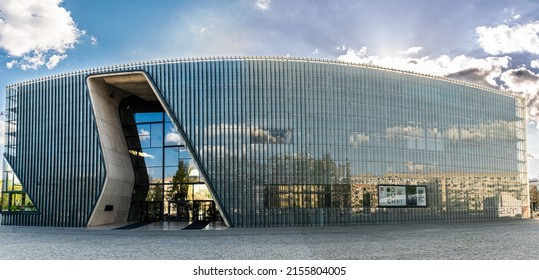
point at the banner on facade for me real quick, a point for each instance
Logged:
(402, 196)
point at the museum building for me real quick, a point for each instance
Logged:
(260, 142)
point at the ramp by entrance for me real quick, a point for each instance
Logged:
(196, 225)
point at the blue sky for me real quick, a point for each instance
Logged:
(493, 43)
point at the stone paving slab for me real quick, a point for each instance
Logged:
(508, 239)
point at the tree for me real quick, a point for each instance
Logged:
(180, 180)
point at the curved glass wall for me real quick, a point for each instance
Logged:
(302, 143)
(284, 142)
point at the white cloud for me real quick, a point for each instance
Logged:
(263, 4)
(143, 135)
(512, 14)
(488, 68)
(356, 139)
(505, 39)
(205, 29)
(10, 64)
(93, 40)
(412, 50)
(534, 63)
(35, 30)
(173, 138)
(54, 60)
(407, 131)
(521, 80)
(526, 83)
(32, 61)
(496, 130)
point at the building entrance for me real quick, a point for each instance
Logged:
(191, 211)
(168, 185)
(149, 211)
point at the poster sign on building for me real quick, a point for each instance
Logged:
(402, 196)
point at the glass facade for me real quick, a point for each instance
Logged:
(168, 185)
(284, 142)
(13, 196)
(53, 147)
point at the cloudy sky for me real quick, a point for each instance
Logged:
(491, 42)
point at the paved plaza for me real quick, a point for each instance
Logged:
(449, 240)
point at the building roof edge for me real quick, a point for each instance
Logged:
(117, 67)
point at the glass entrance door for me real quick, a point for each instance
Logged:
(191, 211)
